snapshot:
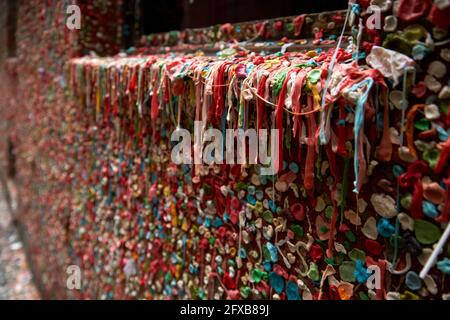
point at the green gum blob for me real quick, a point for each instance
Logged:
(414, 33)
(298, 230)
(313, 272)
(329, 212)
(422, 125)
(363, 295)
(405, 201)
(278, 82)
(350, 236)
(397, 43)
(314, 76)
(431, 156)
(357, 254)
(426, 232)
(245, 292)
(259, 207)
(408, 295)
(347, 271)
(330, 261)
(257, 275)
(290, 27)
(404, 41)
(267, 216)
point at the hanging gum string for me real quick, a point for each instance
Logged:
(140, 61)
(409, 130)
(246, 85)
(408, 136)
(323, 138)
(359, 122)
(404, 105)
(254, 91)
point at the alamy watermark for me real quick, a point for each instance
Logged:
(73, 21)
(374, 279)
(373, 22)
(212, 147)
(73, 277)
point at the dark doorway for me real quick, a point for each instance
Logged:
(167, 15)
(161, 15)
(12, 28)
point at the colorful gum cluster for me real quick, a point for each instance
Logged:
(363, 180)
